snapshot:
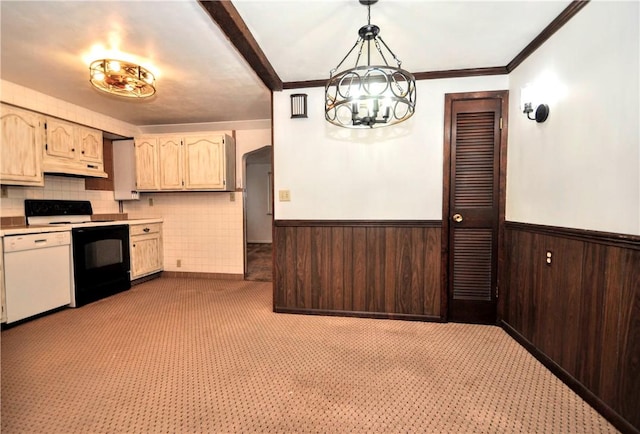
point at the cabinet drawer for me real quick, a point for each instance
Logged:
(150, 228)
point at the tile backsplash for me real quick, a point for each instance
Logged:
(56, 187)
(202, 230)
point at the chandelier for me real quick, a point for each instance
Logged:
(122, 78)
(367, 96)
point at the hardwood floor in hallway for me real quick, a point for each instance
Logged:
(259, 262)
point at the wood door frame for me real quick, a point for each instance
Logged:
(449, 98)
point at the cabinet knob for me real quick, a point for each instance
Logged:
(73, 149)
(146, 229)
(134, 245)
(82, 152)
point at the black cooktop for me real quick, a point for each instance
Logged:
(40, 207)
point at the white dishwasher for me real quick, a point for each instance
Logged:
(37, 273)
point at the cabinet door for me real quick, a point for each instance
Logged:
(146, 150)
(146, 255)
(170, 162)
(21, 144)
(90, 144)
(61, 140)
(204, 162)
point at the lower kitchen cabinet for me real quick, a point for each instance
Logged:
(145, 249)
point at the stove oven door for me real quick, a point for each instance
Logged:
(100, 261)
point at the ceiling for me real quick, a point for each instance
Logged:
(201, 77)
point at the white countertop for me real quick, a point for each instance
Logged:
(38, 229)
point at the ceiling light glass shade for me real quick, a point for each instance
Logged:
(368, 96)
(122, 78)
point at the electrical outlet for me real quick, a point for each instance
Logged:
(549, 255)
(150, 201)
(284, 195)
(179, 263)
(232, 196)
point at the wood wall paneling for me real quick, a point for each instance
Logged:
(582, 311)
(382, 269)
(628, 369)
(596, 358)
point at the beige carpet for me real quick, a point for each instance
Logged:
(188, 355)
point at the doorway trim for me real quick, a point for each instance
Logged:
(503, 95)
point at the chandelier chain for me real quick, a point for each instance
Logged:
(398, 61)
(345, 58)
(380, 52)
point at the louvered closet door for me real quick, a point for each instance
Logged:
(473, 206)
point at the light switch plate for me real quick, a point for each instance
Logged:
(284, 195)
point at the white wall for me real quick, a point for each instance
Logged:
(247, 141)
(386, 173)
(581, 168)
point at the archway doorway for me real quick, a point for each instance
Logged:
(258, 214)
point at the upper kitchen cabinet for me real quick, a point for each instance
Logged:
(170, 152)
(73, 149)
(90, 142)
(146, 152)
(203, 162)
(207, 163)
(21, 143)
(60, 143)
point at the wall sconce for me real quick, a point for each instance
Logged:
(298, 105)
(528, 98)
(541, 114)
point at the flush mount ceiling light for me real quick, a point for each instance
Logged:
(122, 78)
(367, 95)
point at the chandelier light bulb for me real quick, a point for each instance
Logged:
(113, 66)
